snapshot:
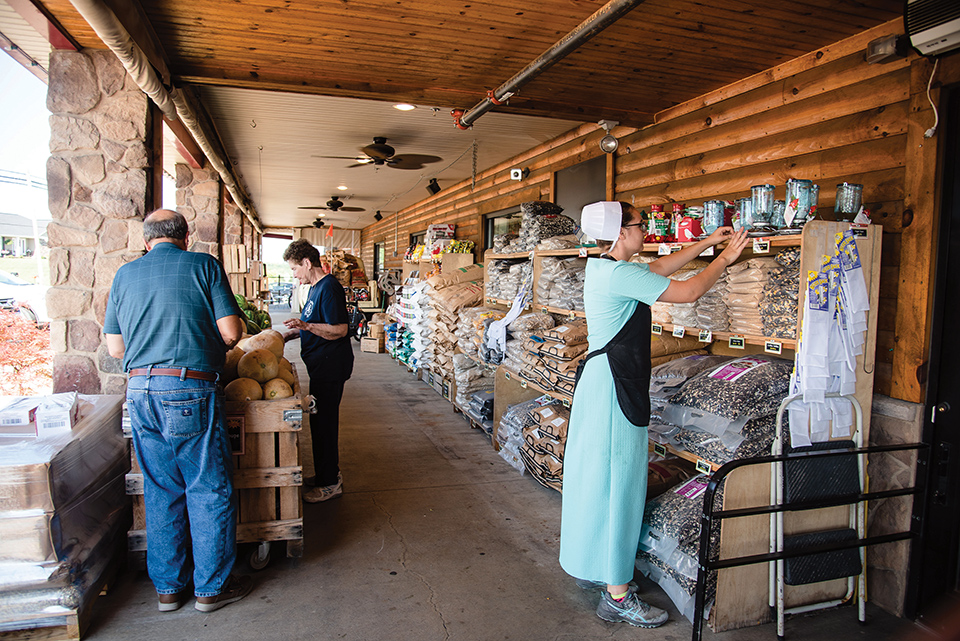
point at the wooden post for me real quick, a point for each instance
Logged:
(917, 259)
(156, 158)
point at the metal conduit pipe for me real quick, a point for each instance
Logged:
(173, 105)
(600, 20)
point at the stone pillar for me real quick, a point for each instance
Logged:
(199, 194)
(98, 190)
(233, 223)
(892, 422)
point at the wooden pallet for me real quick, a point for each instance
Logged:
(267, 475)
(71, 625)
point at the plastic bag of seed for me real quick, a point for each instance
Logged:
(725, 398)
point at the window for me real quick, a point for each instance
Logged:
(416, 239)
(581, 184)
(379, 260)
(506, 221)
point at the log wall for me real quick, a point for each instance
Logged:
(827, 116)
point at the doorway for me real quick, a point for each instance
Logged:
(935, 567)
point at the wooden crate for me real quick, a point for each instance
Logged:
(267, 475)
(235, 259)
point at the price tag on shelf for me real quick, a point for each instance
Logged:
(659, 449)
(859, 232)
(663, 249)
(761, 245)
(656, 329)
(543, 309)
(583, 252)
(566, 402)
(531, 254)
(572, 315)
(708, 251)
(675, 247)
(679, 331)
(738, 342)
(523, 384)
(773, 347)
(506, 375)
(703, 467)
(706, 336)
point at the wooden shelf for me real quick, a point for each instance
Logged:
(788, 343)
(517, 256)
(685, 455)
(569, 313)
(574, 252)
(525, 384)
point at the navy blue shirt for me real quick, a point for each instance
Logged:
(166, 304)
(326, 360)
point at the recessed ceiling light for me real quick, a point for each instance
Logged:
(404, 107)
(342, 187)
(321, 215)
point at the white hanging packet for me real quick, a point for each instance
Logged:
(853, 282)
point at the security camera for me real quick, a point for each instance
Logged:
(519, 174)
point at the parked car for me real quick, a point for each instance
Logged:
(28, 298)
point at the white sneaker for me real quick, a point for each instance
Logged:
(325, 492)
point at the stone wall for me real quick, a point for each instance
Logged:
(892, 422)
(199, 198)
(98, 188)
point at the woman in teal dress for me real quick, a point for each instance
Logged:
(605, 460)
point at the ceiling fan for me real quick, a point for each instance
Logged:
(334, 204)
(380, 153)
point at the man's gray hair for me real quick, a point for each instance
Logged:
(157, 225)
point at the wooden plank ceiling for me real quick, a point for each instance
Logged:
(448, 54)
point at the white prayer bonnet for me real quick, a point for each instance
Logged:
(601, 221)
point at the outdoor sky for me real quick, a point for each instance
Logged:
(24, 136)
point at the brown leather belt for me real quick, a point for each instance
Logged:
(164, 371)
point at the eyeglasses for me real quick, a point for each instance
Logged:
(642, 225)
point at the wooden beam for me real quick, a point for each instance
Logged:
(917, 242)
(184, 143)
(156, 156)
(44, 23)
(23, 58)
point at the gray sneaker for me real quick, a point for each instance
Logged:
(324, 493)
(631, 610)
(583, 584)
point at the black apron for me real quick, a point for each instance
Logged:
(629, 356)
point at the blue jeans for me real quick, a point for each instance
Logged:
(184, 452)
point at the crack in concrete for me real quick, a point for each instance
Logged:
(403, 564)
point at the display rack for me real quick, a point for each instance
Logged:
(741, 592)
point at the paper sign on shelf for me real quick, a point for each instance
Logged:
(737, 342)
(663, 250)
(773, 347)
(761, 245)
(703, 467)
(656, 329)
(708, 251)
(659, 449)
(679, 331)
(583, 252)
(706, 336)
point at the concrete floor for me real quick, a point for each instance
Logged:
(435, 537)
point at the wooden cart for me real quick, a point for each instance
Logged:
(267, 476)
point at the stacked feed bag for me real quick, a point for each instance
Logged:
(745, 283)
(779, 308)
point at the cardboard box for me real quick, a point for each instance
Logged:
(21, 411)
(57, 414)
(46, 474)
(372, 345)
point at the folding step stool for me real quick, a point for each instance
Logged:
(809, 481)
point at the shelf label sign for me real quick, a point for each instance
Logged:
(657, 329)
(738, 342)
(706, 336)
(773, 347)
(523, 384)
(583, 252)
(544, 309)
(703, 467)
(663, 250)
(708, 251)
(679, 331)
(859, 232)
(566, 402)
(761, 246)
(506, 374)
(659, 449)
(531, 255)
